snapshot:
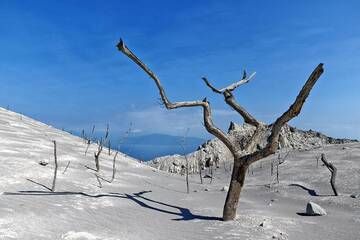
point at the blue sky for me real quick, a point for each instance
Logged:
(59, 63)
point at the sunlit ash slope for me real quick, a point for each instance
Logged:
(144, 203)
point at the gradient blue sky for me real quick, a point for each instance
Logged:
(59, 64)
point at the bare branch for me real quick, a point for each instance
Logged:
(292, 112)
(248, 118)
(244, 80)
(296, 107)
(210, 127)
(230, 99)
(56, 167)
(332, 170)
(211, 86)
(232, 86)
(114, 167)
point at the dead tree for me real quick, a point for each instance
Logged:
(317, 160)
(332, 170)
(55, 170)
(114, 167)
(243, 158)
(199, 157)
(183, 143)
(97, 154)
(88, 142)
(87, 146)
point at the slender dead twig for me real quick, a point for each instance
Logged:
(333, 171)
(97, 155)
(67, 165)
(114, 167)
(56, 167)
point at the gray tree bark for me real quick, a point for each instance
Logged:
(55, 170)
(333, 171)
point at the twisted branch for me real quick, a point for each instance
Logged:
(209, 125)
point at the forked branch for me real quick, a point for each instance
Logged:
(210, 126)
(292, 112)
(232, 86)
(230, 99)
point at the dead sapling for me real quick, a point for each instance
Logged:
(108, 139)
(317, 157)
(243, 157)
(199, 156)
(183, 146)
(56, 167)
(88, 141)
(97, 155)
(333, 171)
(114, 167)
(83, 135)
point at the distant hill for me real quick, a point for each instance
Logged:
(147, 147)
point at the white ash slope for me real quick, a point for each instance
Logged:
(143, 203)
(217, 153)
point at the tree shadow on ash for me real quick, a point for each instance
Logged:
(312, 192)
(184, 214)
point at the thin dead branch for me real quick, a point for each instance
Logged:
(67, 165)
(56, 167)
(333, 171)
(114, 167)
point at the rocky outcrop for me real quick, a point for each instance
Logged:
(213, 153)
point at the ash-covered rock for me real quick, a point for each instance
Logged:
(213, 153)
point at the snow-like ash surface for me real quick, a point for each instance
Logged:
(144, 203)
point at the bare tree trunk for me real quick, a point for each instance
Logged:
(187, 175)
(333, 171)
(233, 195)
(97, 155)
(87, 146)
(114, 167)
(55, 170)
(83, 134)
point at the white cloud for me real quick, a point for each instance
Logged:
(177, 121)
